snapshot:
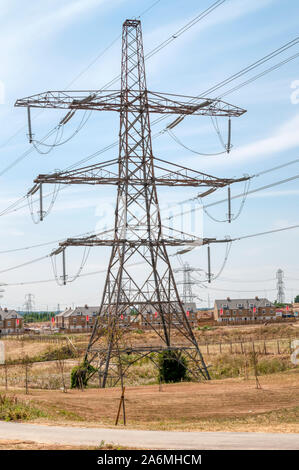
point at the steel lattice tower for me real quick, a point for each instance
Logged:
(188, 281)
(138, 233)
(280, 286)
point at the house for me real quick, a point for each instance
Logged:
(10, 322)
(83, 318)
(150, 316)
(243, 310)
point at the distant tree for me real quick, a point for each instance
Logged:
(279, 305)
(296, 299)
(37, 317)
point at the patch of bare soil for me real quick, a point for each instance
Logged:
(216, 405)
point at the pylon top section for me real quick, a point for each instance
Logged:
(133, 79)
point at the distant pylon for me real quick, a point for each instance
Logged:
(280, 287)
(29, 303)
(1, 290)
(187, 295)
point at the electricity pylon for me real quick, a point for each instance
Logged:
(29, 303)
(138, 233)
(280, 286)
(188, 281)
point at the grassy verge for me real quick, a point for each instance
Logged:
(12, 409)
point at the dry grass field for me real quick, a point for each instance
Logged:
(218, 405)
(229, 402)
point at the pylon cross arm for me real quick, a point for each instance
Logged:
(134, 101)
(107, 173)
(133, 243)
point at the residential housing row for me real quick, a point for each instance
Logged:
(232, 311)
(83, 318)
(225, 311)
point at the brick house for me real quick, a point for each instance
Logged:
(83, 318)
(151, 317)
(244, 310)
(10, 322)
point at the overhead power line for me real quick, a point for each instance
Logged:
(151, 53)
(205, 206)
(83, 71)
(227, 240)
(174, 36)
(290, 227)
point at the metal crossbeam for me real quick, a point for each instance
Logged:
(136, 101)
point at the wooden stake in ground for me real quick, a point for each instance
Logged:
(27, 365)
(246, 369)
(60, 364)
(254, 358)
(160, 384)
(121, 404)
(6, 376)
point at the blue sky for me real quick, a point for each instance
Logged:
(46, 44)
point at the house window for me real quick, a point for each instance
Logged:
(240, 305)
(235, 312)
(8, 323)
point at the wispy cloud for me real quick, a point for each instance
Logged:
(50, 20)
(283, 138)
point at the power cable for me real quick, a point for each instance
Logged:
(252, 191)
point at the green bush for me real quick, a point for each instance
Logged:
(13, 410)
(172, 367)
(272, 366)
(226, 366)
(65, 352)
(81, 374)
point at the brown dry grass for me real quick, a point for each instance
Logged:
(16, 348)
(31, 445)
(222, 405)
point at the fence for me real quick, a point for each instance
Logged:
(271, 346)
